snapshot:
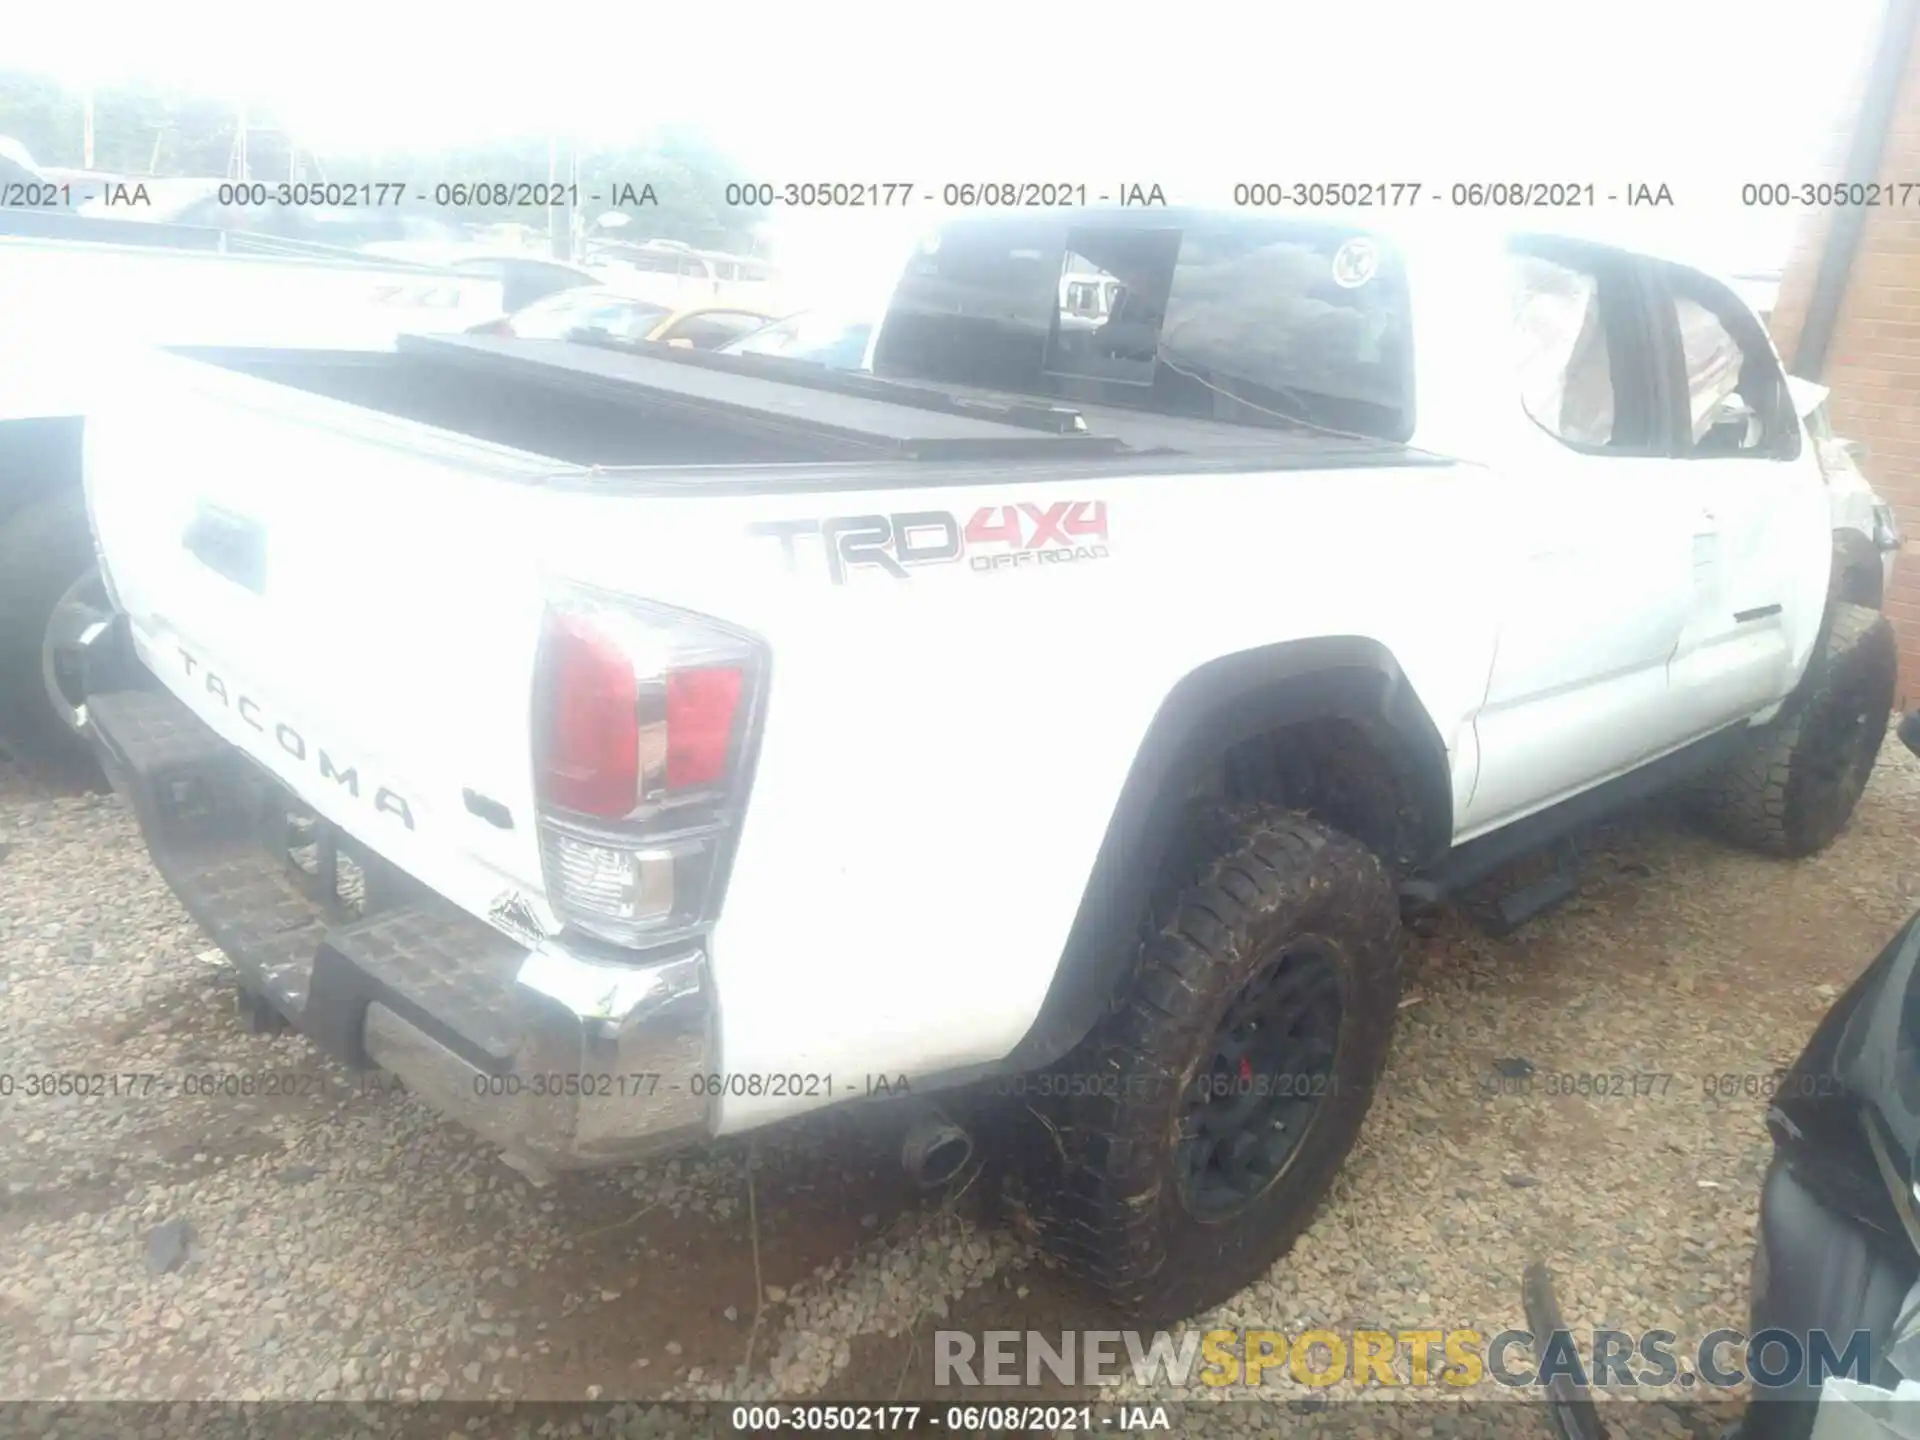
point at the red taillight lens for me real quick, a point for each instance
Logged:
(590, 747)
(637, 708)
(643, 727)
(701, 708)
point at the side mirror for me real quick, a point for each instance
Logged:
(1856, 450)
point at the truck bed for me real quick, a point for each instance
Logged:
(583, 406)
(588, 405)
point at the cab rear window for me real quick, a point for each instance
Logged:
(1249, 320)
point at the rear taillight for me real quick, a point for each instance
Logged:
(643, 728)
(702, 708)
(590, 751)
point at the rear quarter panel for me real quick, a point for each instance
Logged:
(943, 752)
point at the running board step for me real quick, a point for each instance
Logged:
(436, 968)
(1478, 859)
(1531, 901)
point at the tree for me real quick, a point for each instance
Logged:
(42, 116)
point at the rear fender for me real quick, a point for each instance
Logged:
(1216, 707)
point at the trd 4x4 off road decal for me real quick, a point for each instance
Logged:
(997, 537)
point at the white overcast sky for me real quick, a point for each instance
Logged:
(1699, 94)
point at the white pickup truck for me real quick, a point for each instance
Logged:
(626, 746)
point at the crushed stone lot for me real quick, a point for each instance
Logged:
(288, 1230)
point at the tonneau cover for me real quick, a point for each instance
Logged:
(910, 422)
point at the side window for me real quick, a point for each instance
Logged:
(1738, 404)
(1580, 350)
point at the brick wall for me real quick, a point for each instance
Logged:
(1873, 363)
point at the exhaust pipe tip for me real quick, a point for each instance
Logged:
(935, 1151)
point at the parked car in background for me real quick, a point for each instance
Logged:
(609, 312)
(523, 278)
(840, 341)
(676, 274)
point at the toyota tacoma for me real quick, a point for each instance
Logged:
(625, 746)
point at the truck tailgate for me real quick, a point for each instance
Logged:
(356, 614)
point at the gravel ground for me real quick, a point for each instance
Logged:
(335, 1240)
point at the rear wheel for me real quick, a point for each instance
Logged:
(1793, 788)
(1183, 1147)
(50, 592)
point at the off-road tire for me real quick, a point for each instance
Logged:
(1096, 1170)
(44, 548)
(1793, 787)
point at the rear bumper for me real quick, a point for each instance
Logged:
(564, 1059)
